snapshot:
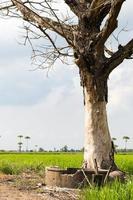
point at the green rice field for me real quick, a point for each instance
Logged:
(16, 163)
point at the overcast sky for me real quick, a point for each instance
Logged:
(50, 109)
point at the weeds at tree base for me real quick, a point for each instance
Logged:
(111, 191)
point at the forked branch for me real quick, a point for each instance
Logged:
(124, 52)
(111, 22)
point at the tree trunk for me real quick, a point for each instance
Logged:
(98, 143)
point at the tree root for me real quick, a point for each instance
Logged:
(117, 175)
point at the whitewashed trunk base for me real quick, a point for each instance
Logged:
(97, 138)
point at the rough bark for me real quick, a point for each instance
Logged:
(97, 137)
(97, 144)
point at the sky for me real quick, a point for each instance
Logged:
(50, 108)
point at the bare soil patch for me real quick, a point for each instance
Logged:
(32, 187)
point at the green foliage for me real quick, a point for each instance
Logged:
(113, 191)
(7, 169)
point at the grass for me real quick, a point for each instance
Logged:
(125, 162)
(114, 191)
(15, 163)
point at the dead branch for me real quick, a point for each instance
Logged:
(107, 175)
(124, 52)
(75, 6)
(31, 16)
(108, 51)
(111, 22)
(43, 22)
(87, 38)
(86, 178)
(33, 12)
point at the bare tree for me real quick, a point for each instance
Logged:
(84, 39)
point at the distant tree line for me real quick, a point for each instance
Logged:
(65, 148)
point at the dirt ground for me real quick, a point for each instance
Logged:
(32, 187)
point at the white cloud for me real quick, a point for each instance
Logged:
(120, 107)
(49, 123)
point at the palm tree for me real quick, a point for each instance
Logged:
(126, 138)
(20, 137)
(20, 143)
(20, 146)
(27, 143)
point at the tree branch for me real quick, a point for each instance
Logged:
(6, 7)
(74, 6)
(97, 3)
(108, 51)
(111, 22)
(43, 22)
(124, 52)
